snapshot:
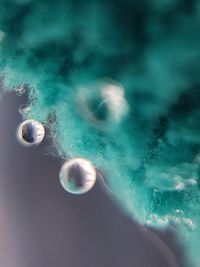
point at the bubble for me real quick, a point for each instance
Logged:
(102, 102)
(77, 176)
(30, 132)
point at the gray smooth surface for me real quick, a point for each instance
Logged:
(42, 225)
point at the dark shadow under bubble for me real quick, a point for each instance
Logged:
(76, 175)
(28, 133)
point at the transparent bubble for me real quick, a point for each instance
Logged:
(77, 176)
(102, 102)
(30, 132)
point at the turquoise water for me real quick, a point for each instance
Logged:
(122, 79)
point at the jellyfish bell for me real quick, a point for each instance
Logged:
(77, 176)
(30, 133)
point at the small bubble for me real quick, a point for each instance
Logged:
(180, 186)
(192, 181)
(30, 132)
(77, 176)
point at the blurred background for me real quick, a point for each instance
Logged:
(42, 225)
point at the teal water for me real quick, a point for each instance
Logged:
(122, 78)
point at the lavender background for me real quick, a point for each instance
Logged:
(42, 225)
